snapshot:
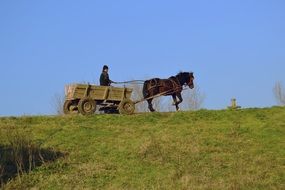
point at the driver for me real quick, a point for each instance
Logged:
(104, 78)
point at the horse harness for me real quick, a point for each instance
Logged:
(176, 84)
(154, 83)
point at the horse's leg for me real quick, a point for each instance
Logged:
(149, 101)
(180, 100)
(179, 97)
(175, 101)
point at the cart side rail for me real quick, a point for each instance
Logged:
(78, 91)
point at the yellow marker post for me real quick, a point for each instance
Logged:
(234, 104)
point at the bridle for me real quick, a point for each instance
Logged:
(190, 83)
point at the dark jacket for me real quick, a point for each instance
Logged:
(104, 79)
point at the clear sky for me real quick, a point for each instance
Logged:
(236, 48)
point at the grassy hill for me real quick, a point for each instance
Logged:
(242, 149)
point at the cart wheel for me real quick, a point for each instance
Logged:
(69, 107)
(87, 106)
(127, 106)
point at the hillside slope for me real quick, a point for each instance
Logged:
(225, 149)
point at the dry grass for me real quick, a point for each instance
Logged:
(20, 155)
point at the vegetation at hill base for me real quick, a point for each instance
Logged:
(205, 149)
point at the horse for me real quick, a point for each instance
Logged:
(165, 87)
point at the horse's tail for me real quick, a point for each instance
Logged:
(145, 91)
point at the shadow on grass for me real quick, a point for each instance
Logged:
(14, 162)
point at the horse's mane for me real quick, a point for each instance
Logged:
(183, 73)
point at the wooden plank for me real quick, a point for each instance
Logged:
(86, 93)
(106, 93)
(123, 94)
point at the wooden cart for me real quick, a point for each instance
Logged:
(84, 98)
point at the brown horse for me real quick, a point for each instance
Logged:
(166, 87)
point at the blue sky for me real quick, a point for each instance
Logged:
(235, 48)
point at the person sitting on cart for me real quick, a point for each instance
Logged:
(104, 78)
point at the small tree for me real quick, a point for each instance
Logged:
(193, 99)
(57, 103)
(138, 95)
(158, 104)
(279, 93)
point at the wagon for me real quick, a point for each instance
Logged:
(84, 99)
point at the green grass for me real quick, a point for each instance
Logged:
(238, 149)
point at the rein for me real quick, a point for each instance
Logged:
(130, 81)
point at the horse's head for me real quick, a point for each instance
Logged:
(186, 78)
(190, 82)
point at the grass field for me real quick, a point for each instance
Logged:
(226, 149)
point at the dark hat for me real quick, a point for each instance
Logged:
(105, 67)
